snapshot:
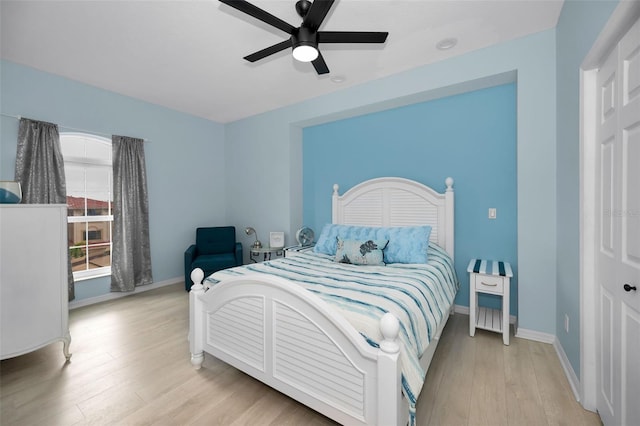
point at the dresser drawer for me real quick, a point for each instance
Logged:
(489, 283)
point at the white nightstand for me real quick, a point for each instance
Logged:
(265, 252)
(491, 277)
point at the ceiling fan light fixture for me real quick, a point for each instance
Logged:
(305, 53)
(305, 44)
(305, 39)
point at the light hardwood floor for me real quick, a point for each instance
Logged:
(130, 366)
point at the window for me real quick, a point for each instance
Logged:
(88, 173)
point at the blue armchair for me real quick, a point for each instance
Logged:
(215, 249)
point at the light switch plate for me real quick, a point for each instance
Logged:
(492, 213)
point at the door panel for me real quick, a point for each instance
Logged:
(606, 349)
(630, 365)
(631, 196)
(607, 156)
(629, 267)
(607, 375)
(618, 259)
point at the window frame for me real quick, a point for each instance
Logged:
(88, 219)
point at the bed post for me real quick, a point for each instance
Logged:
(449, 208)
(389, 376)
(334, 204)
(195, 318)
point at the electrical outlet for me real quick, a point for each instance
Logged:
(566, 323)
(492, 213)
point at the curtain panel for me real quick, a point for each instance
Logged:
(39, 163)
(131, 257)
(40, 169)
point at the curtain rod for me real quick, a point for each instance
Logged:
(17, 117)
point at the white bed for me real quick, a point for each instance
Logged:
(272, 329)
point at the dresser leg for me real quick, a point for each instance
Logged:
(66, 342)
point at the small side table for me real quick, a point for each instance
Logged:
(265, 252)
(491, 277)
(294, 250)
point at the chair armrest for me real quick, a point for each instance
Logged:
(238, 253)
(190, 254)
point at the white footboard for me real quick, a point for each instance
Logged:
(291, 340)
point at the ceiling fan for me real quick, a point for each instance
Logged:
(305, 39)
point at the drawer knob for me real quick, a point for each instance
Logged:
(495, 284)
(628, 287)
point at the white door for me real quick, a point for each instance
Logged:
(618, 171)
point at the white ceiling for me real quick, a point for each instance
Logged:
(187, 55)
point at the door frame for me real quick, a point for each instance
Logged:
(622, 18)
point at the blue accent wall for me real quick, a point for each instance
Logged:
(185, 158)
(470, 137)
(579, 25)
(265, 154)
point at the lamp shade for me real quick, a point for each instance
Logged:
(250, 231)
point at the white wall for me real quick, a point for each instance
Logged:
(185, 158)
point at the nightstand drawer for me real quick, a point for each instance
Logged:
(489, 283)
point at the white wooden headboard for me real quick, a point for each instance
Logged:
(393, 201)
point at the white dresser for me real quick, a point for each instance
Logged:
(33, 278)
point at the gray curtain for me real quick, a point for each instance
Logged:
(40, 169)
(131, 257)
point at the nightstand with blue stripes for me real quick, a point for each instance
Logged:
(490, 277)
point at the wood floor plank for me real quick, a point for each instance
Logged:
(435, 374)
(488, 393)
(453, 395)
(130, 366)
(184, 402)
(524, 404)
(265, 410)
(559, 405)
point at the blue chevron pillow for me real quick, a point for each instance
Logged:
(407, 244)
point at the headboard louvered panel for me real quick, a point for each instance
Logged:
(398, 202)
(410, 209)
(365, 210)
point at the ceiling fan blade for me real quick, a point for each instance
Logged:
(352, 37)
(320, 65)
(256, 56)
(264, 16)
(317, 13)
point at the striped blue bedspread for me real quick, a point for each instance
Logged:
(419, 295)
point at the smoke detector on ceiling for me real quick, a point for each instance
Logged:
(447, 43)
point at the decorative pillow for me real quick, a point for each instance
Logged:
(407, 244)
(330, 232)
(359, 252)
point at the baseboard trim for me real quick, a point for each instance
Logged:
(536, 336)
(568, 369)
(117, 295)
